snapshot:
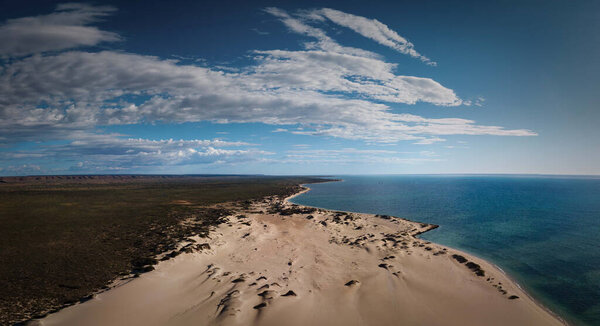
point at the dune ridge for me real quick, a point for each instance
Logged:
(276, 263)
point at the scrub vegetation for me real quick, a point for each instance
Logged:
(63, 238)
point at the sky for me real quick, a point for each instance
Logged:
(299, 87)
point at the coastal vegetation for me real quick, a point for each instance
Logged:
(64, 237)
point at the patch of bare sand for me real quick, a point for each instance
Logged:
(313, 268)
(181, 202)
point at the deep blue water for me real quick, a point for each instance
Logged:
(544, 231)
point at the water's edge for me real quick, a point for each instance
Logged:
(306, 189)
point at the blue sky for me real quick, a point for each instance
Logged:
(300, 87)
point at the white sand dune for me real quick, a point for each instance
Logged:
(292, 270)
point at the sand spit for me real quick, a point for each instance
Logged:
(275, 263)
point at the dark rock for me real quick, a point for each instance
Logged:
(86, 298)
(351, 282)
(141, 262)
(203, 246)
(144, 269)
(260, 305)
(267, 294)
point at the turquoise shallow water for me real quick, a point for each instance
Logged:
(544, 231)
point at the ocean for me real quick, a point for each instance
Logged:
(544, 231)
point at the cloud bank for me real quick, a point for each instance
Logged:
(113, 152)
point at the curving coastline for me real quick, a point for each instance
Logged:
(306, 188)
(274, 263)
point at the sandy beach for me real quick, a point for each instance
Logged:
(275, 263)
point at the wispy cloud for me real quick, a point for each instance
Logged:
(429, 141)
(354, 155)
(259, 32)
(94, 152)
(343, 151)
(67, 27)
(372, 29)
(21, 169)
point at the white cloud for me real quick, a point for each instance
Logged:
(94, 152)
(78, 90)
(479, 101)
(65, 28)
(22, 169)
(259, 32)
(429, 141)
(323, 90)
(340, 72)
(373, 29)
(324, 42)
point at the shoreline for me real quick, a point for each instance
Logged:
(303, 238)
(508, 276)
(530, 297)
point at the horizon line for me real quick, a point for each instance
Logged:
(294, 175)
